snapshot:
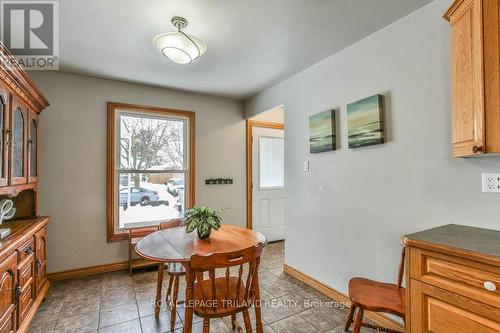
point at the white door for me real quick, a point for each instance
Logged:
(268, 211)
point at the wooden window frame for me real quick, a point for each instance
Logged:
(112, 108)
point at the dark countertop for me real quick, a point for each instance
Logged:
(482, 241)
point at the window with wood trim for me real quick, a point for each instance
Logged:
(150, 166)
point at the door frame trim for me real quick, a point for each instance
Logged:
(249, 134)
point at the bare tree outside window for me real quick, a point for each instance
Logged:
(151, 144)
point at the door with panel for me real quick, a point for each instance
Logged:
(467, 66)
(40, 258)
(18, 142)
(9, 293)
(4, 128)
(268, 193)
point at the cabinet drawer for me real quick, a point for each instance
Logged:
(26, 249)
(472, 279)
(439, 311)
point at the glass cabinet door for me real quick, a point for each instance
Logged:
(33, 147)
(18, 123)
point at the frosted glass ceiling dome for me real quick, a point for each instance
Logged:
(178, 46)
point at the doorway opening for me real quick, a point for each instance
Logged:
(265, 173)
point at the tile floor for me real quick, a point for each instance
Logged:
(116, 302)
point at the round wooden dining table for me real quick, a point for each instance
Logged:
(174, 245)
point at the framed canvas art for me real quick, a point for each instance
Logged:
(322, 136)
(365, 122)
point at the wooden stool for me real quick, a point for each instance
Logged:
(369, 295)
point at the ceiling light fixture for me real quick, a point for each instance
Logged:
(178, 46)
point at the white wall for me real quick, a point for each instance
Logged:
(73, 160)
(346, 216)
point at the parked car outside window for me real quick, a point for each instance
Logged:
(138, 195)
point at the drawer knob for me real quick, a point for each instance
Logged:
(488, 285)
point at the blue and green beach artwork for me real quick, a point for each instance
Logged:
(322, 132)
(365, 122)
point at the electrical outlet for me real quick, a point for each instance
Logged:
(491, 182)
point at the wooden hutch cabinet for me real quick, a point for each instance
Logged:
(23, 254)
(475, 76)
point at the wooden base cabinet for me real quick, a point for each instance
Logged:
(452, 289)
(23, 282)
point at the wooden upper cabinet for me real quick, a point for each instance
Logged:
(475, 77)
(21, 102)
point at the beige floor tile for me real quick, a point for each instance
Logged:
(323, 319)
(276, 309)
(151, 324)
(79, 323)
(293, 324)
(42, 326)
(132, 326)
(80, 306)
(118, 314)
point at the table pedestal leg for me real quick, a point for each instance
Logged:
(188, 305)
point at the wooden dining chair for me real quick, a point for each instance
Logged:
(370, 295)
(174, 271)
(227, 295)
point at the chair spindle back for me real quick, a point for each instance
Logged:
(230, 289)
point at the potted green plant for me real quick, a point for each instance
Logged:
(203, 219)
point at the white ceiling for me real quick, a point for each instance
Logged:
(252, 44)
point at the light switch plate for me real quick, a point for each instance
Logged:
(491, 182)
(306, 166)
